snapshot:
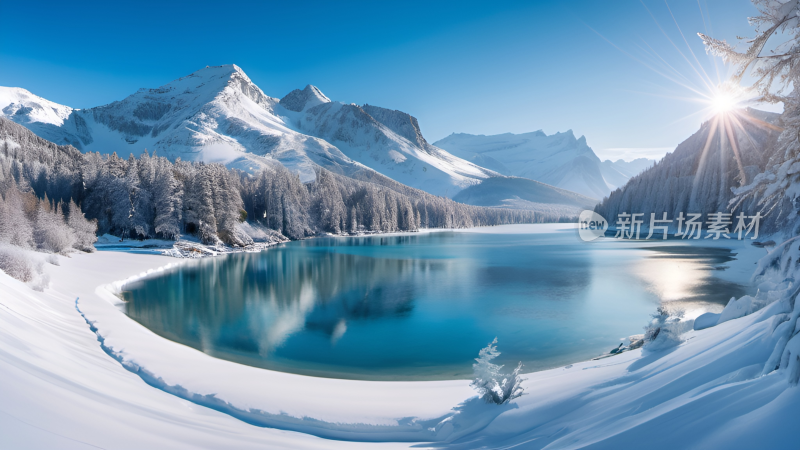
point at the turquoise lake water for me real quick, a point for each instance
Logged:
(420, 306)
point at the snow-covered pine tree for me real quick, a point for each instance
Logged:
(84, 230)
(492, 385)
(200, 206)
(352, 220)
(141, 209)
(328, 204)
(167, 201)
(227, 206)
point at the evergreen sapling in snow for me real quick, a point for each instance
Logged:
(493, 385)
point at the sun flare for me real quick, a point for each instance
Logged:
(723, 102)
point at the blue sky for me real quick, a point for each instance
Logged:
(472, 67)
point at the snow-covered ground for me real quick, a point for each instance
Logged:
(59, 390)
(63, 387)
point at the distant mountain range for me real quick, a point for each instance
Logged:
(559, 160)
(617, 173)
(218, 114)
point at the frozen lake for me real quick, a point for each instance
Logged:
(420, 306)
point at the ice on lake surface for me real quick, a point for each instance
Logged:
(420, 306)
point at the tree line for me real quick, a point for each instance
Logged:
(153, 197)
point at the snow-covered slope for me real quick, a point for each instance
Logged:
(387, 141)
(43, 117)
(217, 114)
(60, 390)
(560, 159)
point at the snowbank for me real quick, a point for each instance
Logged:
(341, 409)
(62, 390)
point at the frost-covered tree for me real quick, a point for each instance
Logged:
(50, 230)
(15, 228)
(328, 204)
(493, 385)
(228, 206)
(199, 203)
(139, 203)
(167, 201)
(84, 230)
(777, 73)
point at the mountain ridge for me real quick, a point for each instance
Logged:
(560, 159)
(217, 114)
(700, 174)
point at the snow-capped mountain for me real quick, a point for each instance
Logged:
(561, 159)
(43, 117)
(301, 100)
(217, 114)
(385, 140)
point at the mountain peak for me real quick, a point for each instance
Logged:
(401, 123)
(300, 100)
(22, 106)
(226, 71)
(310, 89)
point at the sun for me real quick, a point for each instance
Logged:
(723, 102)
(725, 99)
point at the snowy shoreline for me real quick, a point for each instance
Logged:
(79, 393)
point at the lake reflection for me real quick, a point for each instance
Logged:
(421, 306)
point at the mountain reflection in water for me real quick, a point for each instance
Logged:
(421, 306)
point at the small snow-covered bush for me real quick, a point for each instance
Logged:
(15, 262)
(665, 328)
(492, 385)
(41, 282)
